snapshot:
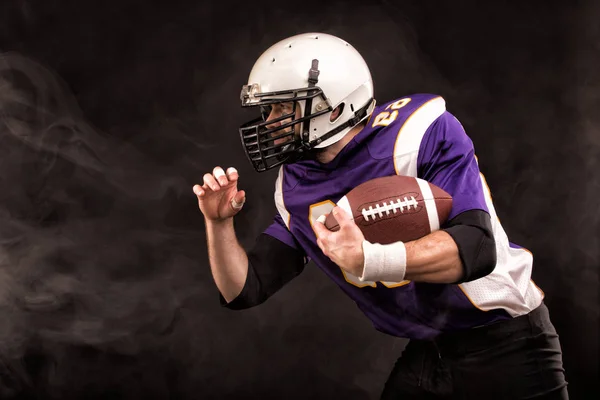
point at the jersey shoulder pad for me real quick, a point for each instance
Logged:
(410, 115)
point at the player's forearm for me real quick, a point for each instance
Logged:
(433, 258)
(228, 260)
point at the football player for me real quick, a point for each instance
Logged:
(463, 295)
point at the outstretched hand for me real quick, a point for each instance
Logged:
(219, 197)
(343, 247)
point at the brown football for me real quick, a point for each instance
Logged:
(395, 208)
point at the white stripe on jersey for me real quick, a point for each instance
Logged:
(285, 215)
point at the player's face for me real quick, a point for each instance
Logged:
(278, 110)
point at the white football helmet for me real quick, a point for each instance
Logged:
(318, 72)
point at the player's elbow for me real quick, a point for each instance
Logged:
(485, 262)
(245, 300)
(480, 258)
(243, 304)
(474, 238)
(253, 292)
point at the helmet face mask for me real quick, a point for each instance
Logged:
(284, 139)
(317, 73)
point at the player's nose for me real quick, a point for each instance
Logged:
(272, 116)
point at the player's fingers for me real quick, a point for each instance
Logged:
(198, 191)
(341, 216)
(220, 176)
(237, 201)
(210, 182)
(320, 229)
(240, 196)
(321, 246)
(232, 174)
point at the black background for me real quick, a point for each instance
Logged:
(112, 110)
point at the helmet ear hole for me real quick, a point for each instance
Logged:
(336, 113)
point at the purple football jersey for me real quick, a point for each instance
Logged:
(412, 136)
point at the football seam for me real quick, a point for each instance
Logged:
(388, 209)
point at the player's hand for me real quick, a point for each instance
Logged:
(219, 197)
(343, 247)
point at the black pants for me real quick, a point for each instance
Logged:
(510, 360)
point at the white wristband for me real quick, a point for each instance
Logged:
(384, 262)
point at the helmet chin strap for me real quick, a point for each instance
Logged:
(359, 115)
(313, 79)
(306, 145)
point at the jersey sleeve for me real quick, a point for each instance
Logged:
(279, 230)
(447, 159)
(271, 265)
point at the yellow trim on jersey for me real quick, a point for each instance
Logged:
(470, 300)
(538, 288)
(315, 205)
(392, 285)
